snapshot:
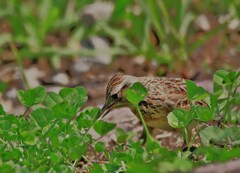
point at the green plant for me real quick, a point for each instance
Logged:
(51, 139)
(53, 134)
(222, 108)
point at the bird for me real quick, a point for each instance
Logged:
(164, 95)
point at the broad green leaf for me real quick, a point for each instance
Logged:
(232, 79)
(7, 168)
(216, 154)
(83, 95)
(87, 117)
(7, 155)
(136, 146)
(121, 135)
(70, 95)
(28, 137)
(2, 112)
(178, 118)
(205, 114)
(136, 93)
(76, 97)
(96, 168)
(77, 151)
(52, 99)
(201, 113)
(64, 110)
(99, 146)
(55, 158)
(153, 146)
(213, 135)
(195, 92)
(102, 127)
(219, 76)
(51, 130)
(16, 154)
(32, 96)
(42, 116)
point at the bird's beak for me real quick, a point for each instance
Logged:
(106, 109)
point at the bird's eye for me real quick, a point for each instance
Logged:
(115, 96)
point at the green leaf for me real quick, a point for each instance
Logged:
(179, 118)
(136, 93)
(119, 157)
(201, 113)
(219, 76)
(216, 154)
(87, 117)
(52, 99)
(153, 146)
(32, 96)
(83, 95)
(69, 94)
(7, 168)
(102, 127)
(3, 87)
(42, 116)
(77, 151)
(212, 135)
(2, 112)
(28, 137)
(121, 135)
(195, 92)
(205, 114)
(64, 110)
(16, 154)
(99, 146)
(76, 97)
(73, 139)
(97, 168)
(55, 158)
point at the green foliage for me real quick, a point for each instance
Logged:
(220, 106)
(56, 136)
(2, 112)
(32, 96)
(215, 135)
(50, 139)
(102, 128)
(195, 92)
(136, 93)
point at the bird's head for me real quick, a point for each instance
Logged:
(115, 92)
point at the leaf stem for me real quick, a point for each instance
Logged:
(20, 64)
(143, 122)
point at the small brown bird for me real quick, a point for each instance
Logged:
(164, 94)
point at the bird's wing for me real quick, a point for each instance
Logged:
(168, 92)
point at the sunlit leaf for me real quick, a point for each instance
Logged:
(136, 93)
(102, 127)
(42, 116)
(178, 118)
(32, 96)
(195, 92)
